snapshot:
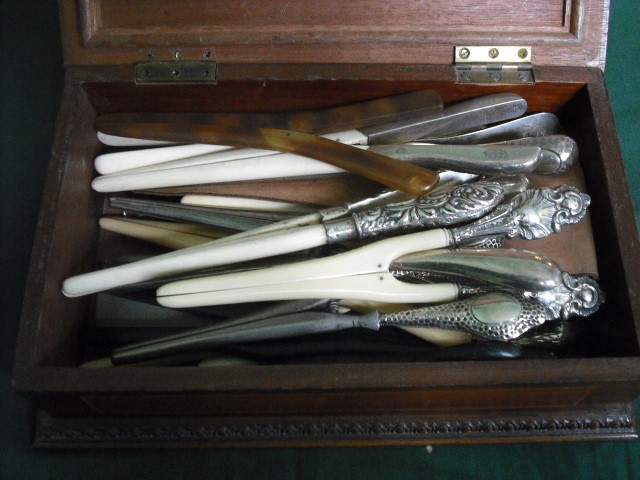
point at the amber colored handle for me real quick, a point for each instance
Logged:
(379, 168)
(379, 111)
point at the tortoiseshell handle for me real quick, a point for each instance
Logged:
(387, 171)
(353, 116)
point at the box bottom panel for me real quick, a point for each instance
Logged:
(609, 422)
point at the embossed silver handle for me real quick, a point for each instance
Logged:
(496, 316)
(529, 215)
(454, 205)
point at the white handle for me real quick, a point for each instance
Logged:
(116, 141)
(167, 234)
(302, 221)
(351, 137)
(282, 165)
(130, 159)
(379, 287)
(193, 259)
(243, 203)
(372, 258)
(440, 337)
(227, 155)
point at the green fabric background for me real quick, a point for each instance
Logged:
(31, 85)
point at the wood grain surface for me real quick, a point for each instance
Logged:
(561, 32)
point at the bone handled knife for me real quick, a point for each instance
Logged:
(550, 155)
(479, 160)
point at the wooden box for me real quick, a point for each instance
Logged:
(278, 56)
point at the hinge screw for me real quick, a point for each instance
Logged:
(524, 77)
(522, 53)
(177, 55)
(494, 52)
(464, 53)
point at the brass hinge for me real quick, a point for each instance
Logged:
(502, 64)
(181, 71)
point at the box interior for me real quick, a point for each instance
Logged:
(75, 243)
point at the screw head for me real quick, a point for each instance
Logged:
(177, 55)
(523, 53)
(494, 52)
(464, 53)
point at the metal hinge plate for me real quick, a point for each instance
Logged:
(176, 72)
(486, 64)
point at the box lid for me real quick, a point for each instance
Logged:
(560, 32)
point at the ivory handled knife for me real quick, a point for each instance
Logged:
(543, 155)
(478, 160)
(559, 153)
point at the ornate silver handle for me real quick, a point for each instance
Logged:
(494, 316)
(529, 215)
(455, 205)
(577, 295)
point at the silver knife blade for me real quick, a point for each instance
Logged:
(465, 115)
(534, 125)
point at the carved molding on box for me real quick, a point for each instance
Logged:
(176, 431)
